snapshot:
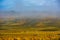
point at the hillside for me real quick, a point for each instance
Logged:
(51, 24)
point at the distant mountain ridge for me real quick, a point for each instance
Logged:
(7, 14)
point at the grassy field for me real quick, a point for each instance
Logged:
(29, 35)
(30, 29)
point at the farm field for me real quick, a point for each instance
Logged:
(30, 29)
(29, 35)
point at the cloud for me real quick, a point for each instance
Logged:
(40, 2)
(39, 5)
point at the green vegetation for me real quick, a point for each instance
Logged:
(46, 24)
(30, 29)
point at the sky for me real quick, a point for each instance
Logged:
(19, 5)
(6, 4)
(30, 5)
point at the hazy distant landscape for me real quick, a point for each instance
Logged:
(29, 19)
(43, 24)
(47, 28)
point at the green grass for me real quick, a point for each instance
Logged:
(29, 28)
